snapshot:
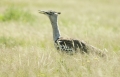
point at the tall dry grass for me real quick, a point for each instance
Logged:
(26, 46)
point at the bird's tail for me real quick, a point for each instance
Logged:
(93, 50)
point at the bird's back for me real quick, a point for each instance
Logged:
(70, 45)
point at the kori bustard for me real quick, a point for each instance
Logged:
(67, 45)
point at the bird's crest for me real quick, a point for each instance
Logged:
(49, 12)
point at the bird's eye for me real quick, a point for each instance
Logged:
(51, 12)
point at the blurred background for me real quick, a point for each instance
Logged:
(26, 37)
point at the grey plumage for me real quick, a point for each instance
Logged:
(53, 19)
(68, 45)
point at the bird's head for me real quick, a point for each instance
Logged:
(49, 13)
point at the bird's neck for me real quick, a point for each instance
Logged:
(54, 23)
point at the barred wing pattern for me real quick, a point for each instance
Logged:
(70, 45)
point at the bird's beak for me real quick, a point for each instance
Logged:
(42, 12)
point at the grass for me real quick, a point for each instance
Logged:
(27, 49)
(16, 14)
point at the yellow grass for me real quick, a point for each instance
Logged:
(27, 49)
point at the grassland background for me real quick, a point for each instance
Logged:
(26, 44)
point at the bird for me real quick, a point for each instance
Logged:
(67, 45)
